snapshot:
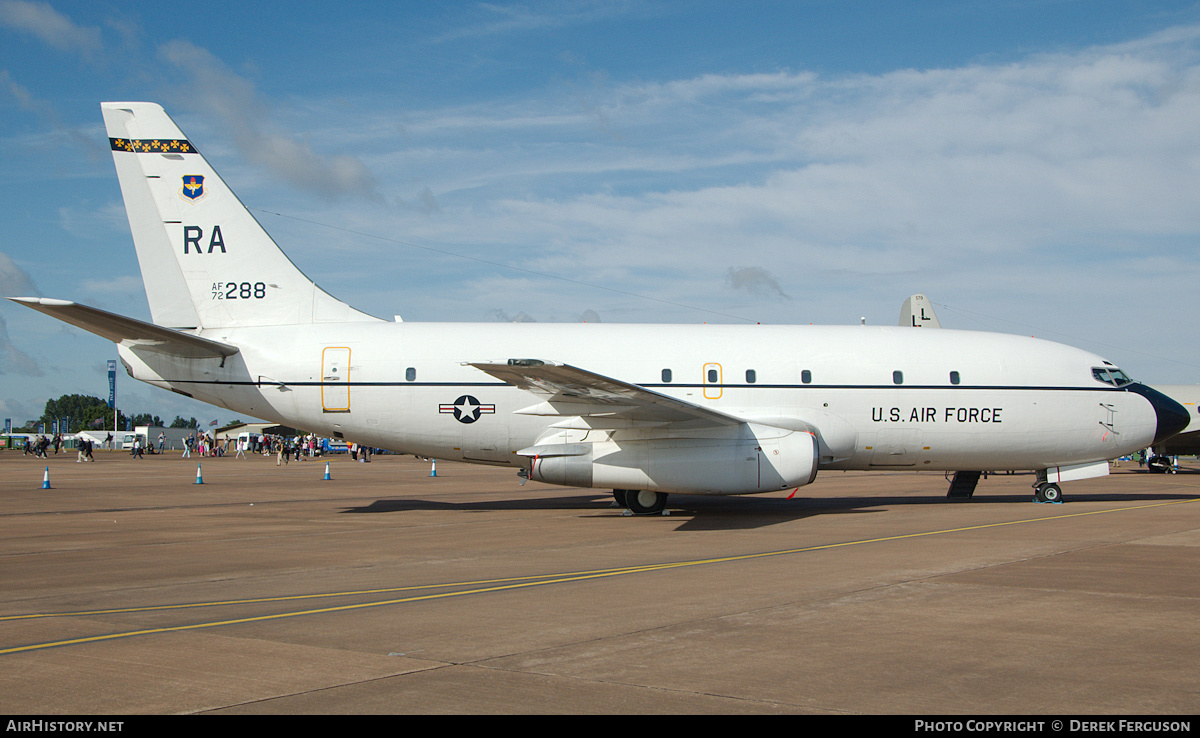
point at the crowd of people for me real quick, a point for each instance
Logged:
(40, 446)
(283, 448)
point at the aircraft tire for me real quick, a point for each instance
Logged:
(1158, 465)
(619, 496)
(645, 502)
(1049, 492)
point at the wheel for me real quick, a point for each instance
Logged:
(619, 496)
(1048, 492)
(645, 502)
(1158, 465)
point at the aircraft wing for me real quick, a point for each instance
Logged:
(135, 334)
(569, 391)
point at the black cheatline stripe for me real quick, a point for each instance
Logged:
(957, 388)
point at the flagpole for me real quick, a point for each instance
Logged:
(112, 394)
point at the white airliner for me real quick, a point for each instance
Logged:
(644, 410)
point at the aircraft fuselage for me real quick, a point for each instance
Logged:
(878, 397)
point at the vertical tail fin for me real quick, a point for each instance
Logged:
(917, 311)
(205, 261)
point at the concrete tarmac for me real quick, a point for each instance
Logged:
(128, 589)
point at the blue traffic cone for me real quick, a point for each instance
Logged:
(433, 469)
(199, 479)
(46, 479)
(327, 477)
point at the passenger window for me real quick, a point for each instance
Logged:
(954, 378)
(751, 376)
(806, 377)
(410, 374)
(666, 375)
(897, 377)
(712, 376)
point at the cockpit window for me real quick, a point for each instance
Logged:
(1111, 375)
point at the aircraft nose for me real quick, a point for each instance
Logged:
(1172, 417)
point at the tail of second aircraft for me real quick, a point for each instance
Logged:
(917, 311)
(205, 260)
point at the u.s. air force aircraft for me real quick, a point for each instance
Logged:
(644, 410)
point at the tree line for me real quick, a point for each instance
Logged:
(85, 412)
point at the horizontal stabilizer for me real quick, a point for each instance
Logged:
(135, 334)
(571, 391)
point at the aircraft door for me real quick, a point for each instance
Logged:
(335, 380)
(712, 381)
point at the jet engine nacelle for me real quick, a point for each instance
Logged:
(753, 459)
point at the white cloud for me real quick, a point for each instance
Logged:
(16, 410)
(14, 281)
(50, 26)
(118, 286)
(243, 114)
(980, 159)
(495, 19)
(92, 223)
(12, 359)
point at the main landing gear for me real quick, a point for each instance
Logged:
(1159, 464)
(1044, 491)
(640, 501)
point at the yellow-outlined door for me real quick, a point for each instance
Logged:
(335, 379)
(712, 381)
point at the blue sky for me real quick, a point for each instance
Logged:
(1033, 166)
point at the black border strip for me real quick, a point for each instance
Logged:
(153, 145)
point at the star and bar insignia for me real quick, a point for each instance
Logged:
(467, 409)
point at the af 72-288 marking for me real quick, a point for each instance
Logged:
(644, 410)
